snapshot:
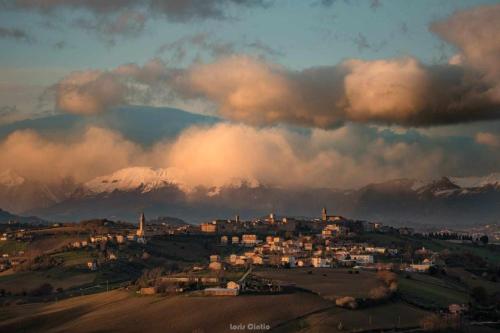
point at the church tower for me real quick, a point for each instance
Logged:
(324, 215)
(142, 226)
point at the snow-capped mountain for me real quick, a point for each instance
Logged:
(474, 182)
(8, 178)
(124, 192)
(405, 201)
(144, 179)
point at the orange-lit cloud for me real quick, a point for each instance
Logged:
(224, 154)
(254, 91)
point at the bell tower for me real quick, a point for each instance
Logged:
(324, 215)
(142, 225)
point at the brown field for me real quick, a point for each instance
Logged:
(120, 311)
(383, 316)
(49, 244)
(26, 281)
(336, 283)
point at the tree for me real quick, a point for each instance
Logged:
(42, 290)
(484, 239)
(479, 294)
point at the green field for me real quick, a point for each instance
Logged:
(432, 294)
(11, 247)
(75, 257)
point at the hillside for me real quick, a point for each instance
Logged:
(6, 217)
(126, 313)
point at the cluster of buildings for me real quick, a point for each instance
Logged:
(328, 242)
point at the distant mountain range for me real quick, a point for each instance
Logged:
(6, 217)
(125, 193)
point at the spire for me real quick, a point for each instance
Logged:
(142, 225)
(324, 214)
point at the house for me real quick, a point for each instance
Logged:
(214, 258)
(224, 240)
(235, 240)
(215, 266)
(319, 262)
(249, 240)
(420, 268)
(233, 285)
(92, 265)
(220, 292)
(148, 291)
(288, 261)
(209, 227)
(257, 260)
(363, 258)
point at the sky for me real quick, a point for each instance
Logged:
(379, 89)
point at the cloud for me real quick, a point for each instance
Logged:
(94, 91)
(255, 91)
(488, 139)
(128, 17)
(472, 31)
(34, 157)
(123, 23)
(194, 158)
(89, 92)
(204, 42)
(16, 34)
(315, 160)
(225, 154)
(394, 91)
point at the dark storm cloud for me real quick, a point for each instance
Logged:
(178, 50)
(15, 34)
(177, 10)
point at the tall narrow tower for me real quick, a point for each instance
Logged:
(324, 214)
(142, 225)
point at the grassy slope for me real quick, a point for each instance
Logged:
(57, 277)
(11, 247)
(429, 293)
(337, 282)
(120, 311)
(383, 316)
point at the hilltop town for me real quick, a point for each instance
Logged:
(439, 278)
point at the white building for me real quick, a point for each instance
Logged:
(363, 258)
(319, 262)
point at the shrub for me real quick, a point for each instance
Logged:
(42, 290)
(346, 302)
(387, 277)
(379, 293)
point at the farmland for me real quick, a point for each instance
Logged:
(432, 294)
(328, 282)
(128, 313)
(393, 314)
(57, 277)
